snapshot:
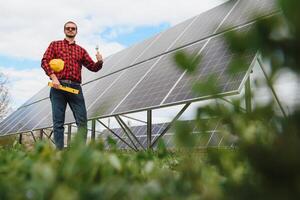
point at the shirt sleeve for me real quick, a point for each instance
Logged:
(90, 64)
(48, 55)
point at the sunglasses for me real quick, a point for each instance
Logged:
(70, 28)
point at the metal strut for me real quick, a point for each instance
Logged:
(170, 124)
(271, 87)
(116, 135)
(129, 130)
(124, 129)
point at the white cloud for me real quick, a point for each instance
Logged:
(23, 84)
(27, 28)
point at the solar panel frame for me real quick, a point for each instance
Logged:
(10, 119)
(24, 118)
(44, 109)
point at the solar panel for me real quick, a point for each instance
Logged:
(144, 75)
(205, 24)
(135, 53)
(155, 86)
(247, 11)
(93, 91)
(212, 138)
(11, 119)
(29, 122)
(22, 118)
(119, 61)
(216, 58)
(42, 94)
(112, 97)
(88, 75)
(165, 40)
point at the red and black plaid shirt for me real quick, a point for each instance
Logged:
(74, 57)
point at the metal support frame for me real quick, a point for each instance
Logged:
(248, 102)
(129, 130)
(41, 134)
(69, 137)
(138, 120)
(20, 138)
(48, 136)
(32, 134)
(149, 128)
(260, 62)
(228, 101)
(89, 129)
(116, 135)
(50, 133)
(93, 131)
(125, 131)
(170, 124)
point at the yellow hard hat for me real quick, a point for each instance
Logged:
(57, 65)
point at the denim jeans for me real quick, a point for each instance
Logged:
(59, 100)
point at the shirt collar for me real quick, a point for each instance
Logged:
(66, 41)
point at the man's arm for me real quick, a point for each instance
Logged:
(90, 64)
(49, 55)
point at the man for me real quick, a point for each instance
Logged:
(74, 58)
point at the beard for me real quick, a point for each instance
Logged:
(70, 36)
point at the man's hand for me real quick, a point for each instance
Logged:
(98, 56)
(55, 81)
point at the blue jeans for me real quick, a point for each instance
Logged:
(59, 100)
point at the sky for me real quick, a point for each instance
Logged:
(27, 28)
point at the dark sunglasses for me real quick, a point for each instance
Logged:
(70, 28)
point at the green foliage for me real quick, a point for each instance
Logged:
(265, 164)
(89, 172)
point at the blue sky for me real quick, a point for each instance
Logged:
(18, 63)
(137, 35)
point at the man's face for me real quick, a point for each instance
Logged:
(70, 30)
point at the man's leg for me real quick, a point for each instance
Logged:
(77, 105)
(59, 104)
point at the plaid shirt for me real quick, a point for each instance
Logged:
(74, 57)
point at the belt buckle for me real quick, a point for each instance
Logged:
(66, 81)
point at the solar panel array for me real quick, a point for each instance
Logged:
(145, 76)
(212, 138)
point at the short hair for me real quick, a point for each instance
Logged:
(70, 22)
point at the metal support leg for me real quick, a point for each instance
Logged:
(33, 136)
(271, 87)
(20, 138)
(93, 132)
(149, 128)
(41, 134)
(248, 96)
(48, 136)
(69, 135)
(170, 124)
